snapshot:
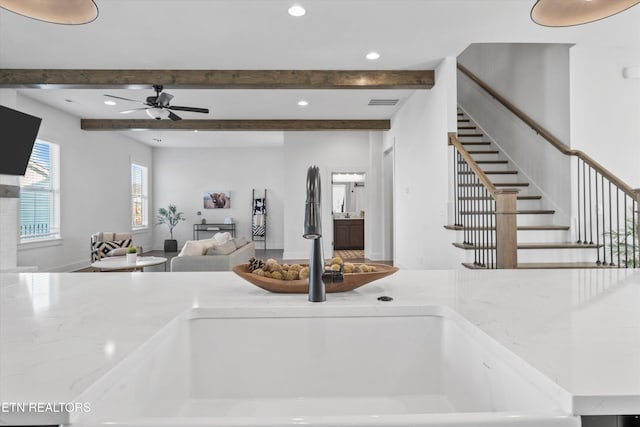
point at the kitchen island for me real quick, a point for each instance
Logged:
(62, 332)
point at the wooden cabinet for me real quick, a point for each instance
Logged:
(348, 233)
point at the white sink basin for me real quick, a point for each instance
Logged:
(325, 366)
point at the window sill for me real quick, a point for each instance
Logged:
(39, 243)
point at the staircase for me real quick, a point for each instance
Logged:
(543, 240)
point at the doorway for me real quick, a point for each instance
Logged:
(348, 202)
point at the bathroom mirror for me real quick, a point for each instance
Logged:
(348, 194)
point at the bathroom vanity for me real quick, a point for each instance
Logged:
(348, 233)
(461, 348)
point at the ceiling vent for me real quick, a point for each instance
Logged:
(383, 102)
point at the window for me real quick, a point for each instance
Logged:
(139, 196)
(40, 194)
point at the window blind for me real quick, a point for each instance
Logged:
(40, 194)
(139, 196)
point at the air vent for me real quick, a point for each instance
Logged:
(383, 102)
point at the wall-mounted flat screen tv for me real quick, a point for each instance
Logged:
(18, 132)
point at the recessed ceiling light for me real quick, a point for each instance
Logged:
(303, 103)
(195, 130)
(110, 102)
(372, 56)
(297, 10)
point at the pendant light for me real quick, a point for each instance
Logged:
(565, 13)
(69, 12)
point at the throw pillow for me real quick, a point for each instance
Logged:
(118, 252)
(208, 244)
(222, 237)
(240, 241)
(192, 248)
(223, 249)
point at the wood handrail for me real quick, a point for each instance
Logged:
(482, 177)
(559, 145)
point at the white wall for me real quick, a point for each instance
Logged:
(94, 188)
(419, 136)
(332, 152)
(535, 78)
(182, 175)
(605, 109)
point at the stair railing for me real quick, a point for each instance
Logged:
(485, 214)
(607, 208)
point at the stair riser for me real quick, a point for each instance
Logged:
(531, 236)
(483, 156)
(546, 255)
(557, 255)
(520, 204)
(464, 138)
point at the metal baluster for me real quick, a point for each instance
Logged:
(476, 240)
(465, 222)
(584, 201)
(455, 185)
(610, 229)
(486, 220)
(459, 218)
(633, 230)
(492, 204)
(626, 246)
(579, 238)
(604, 227)
(618, 223)
(590, 211)
(598, 262)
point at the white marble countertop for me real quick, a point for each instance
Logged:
(60, 332)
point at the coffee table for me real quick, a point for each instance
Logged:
(120, 263)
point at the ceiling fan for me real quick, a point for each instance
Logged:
(157, 107)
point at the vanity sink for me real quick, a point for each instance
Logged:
(324, 366)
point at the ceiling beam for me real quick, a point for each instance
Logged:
(217, 79)
(232, 125)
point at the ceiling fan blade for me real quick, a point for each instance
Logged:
(164, 98)
(174, 116)
(119, 97)
(135, 109)
(192, 109)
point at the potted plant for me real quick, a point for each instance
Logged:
(132, 254)
(170, 217)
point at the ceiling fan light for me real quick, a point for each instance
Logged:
(157, 113)
(566, 13)
(68, 12)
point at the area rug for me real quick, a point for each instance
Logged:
(349, 254)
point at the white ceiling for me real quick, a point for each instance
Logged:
(259, 34)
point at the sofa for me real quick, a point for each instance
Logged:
(211, 255)
(108, 244)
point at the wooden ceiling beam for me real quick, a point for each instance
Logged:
(217, 79)
(235, 125)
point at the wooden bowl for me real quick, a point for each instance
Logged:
(351, 280)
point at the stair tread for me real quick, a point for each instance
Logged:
(490, 173)
(488, 162)
(475, 142)
(499, 184)
(559, 265)
(543, 245)
(474, 135)
(511, 184)
(520, 228)
(545, 265)
(489, 198)
(519, 212)
(466, 127)
(482, 151)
